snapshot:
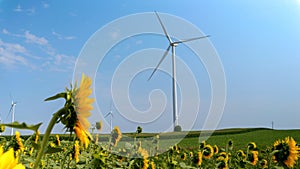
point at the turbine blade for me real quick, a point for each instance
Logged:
(10, 111)
(163, 57)
(192, 39)
(106, 115)
(163, 27)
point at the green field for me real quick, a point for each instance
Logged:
(241, 137)
(263, 137)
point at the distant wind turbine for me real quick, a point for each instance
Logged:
(111, 116)
(12, 112)
(172, 44)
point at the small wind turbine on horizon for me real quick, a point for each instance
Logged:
(111, 117)
(172, 44)
(12, 112)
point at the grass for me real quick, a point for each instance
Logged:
(262, 137)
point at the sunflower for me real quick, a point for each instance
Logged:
(222, 163)
(76, 151)
(208, 151)
(288, 151)
(96, 138)
(223, 155)
(230, 144)
(19, 145)
(57, 141)
(251, 146)
(183, 156)
(37, 135)
(253, 157)
(216, 149)
(82, 135)
(116, 135)
(241, 154)
(77, 109)
(145, 155)
(191, 154)
(198, 158)
(2, 128)
(152, 164)
(264, 163)
(8, 160)
(83, 104)
(99, 125)
(202, 144)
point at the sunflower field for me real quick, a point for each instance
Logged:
(82, 149)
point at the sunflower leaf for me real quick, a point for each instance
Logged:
(23, 126)
(57, 96)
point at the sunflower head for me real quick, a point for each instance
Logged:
(251, 146)
(208, 151)
(253, 157)
(18, 144)
(57, 141)
(99, 125)
(77, 108)
(76, 151)
(116, 135)
(216, 149)
(183, 156)
(78, 104)
(222, 163)
(223, 155)
(230, 144)
(264, 163)
(2, 128)
(241, 154)
(8, 160)
(287, 152)
(202, 144)
(198, 158)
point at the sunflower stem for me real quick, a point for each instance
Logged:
(51, 124)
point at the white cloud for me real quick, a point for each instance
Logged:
(13, 54)
(45, 5)
(28, 11)
(4, 31)
(61, 37)
(30, 38)
(18, 8)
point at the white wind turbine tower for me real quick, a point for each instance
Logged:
(111, 117)
(12, 112)
(172, 44)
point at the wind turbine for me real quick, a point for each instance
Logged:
(111, 116)
(12, 112)
(172, 44)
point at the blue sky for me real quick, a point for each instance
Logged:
(257, 42)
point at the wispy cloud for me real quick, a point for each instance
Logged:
(28, 11)
(61, 37)
(4, 31)
(45, 5)
(30, 38)
(14, 54)
(18, 8)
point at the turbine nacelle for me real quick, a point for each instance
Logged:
(174, 44)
